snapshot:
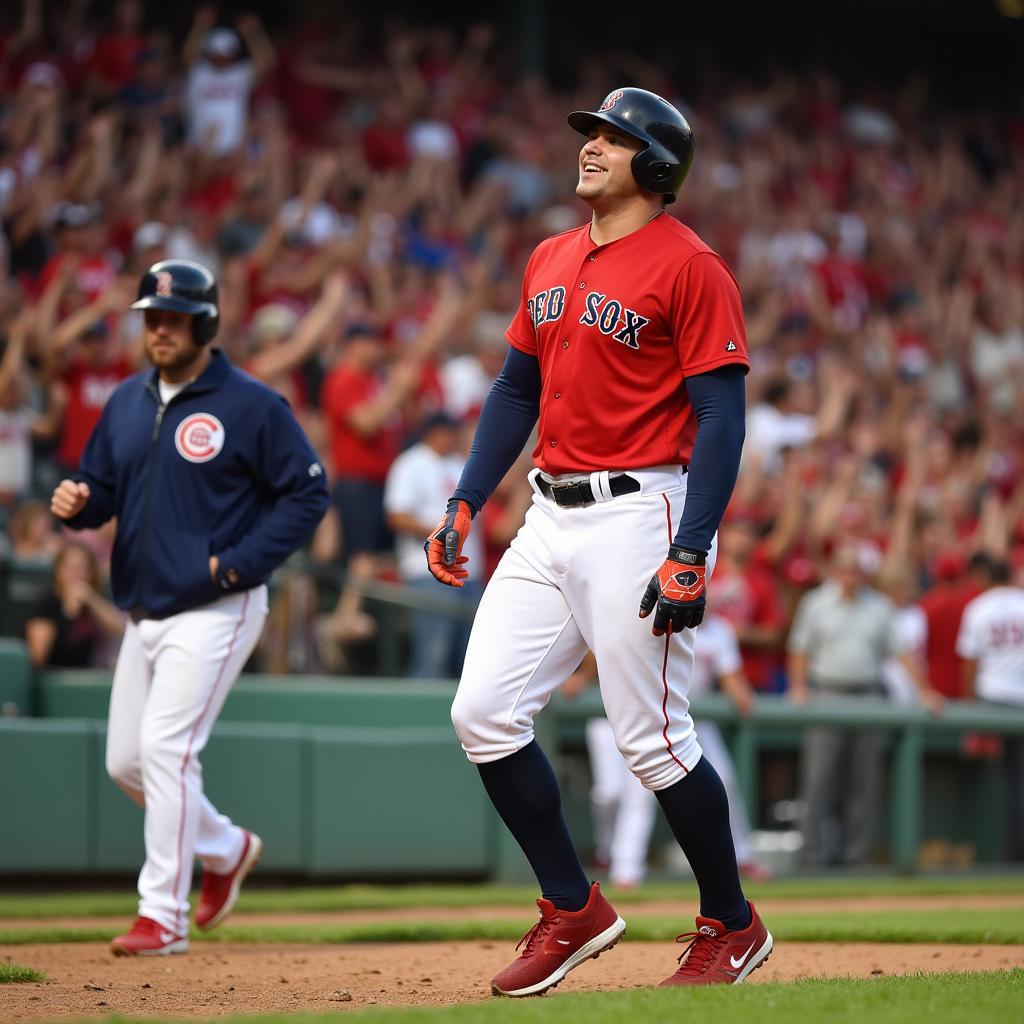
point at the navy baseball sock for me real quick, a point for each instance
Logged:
(524, 790)
(697, 810)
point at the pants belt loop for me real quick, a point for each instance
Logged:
(600, 485)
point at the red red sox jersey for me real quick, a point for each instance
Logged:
(616, 329)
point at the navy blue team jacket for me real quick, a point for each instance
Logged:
(223, 469)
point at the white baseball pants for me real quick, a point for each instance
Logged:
(572, 579)
(170, 683)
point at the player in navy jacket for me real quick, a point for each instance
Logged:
(222, 469)
(213, 485)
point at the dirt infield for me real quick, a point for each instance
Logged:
(84, 980)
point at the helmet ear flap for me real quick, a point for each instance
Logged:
(204, 328)
(652, 172)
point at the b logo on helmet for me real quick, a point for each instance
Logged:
(163, 283)
(199, 437)
(610, 100)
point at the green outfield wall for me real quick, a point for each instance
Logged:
(328, 801)
(364, 778)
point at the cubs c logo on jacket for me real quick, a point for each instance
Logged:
(199, 437)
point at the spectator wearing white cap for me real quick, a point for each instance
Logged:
(221, 78)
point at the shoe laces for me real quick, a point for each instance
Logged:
(700, 954)
(536, 934)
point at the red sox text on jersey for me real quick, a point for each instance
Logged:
(607, 314)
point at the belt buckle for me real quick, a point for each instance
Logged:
(565, 488)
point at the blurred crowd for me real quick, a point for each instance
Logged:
(368, 200)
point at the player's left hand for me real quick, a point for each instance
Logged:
(676, 590)
(445, 559)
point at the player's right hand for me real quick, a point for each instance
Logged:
(69, 499)
(445, 559)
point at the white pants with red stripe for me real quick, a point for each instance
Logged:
(572, 579)
(171, 680)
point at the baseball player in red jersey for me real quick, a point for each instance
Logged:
(629, 347)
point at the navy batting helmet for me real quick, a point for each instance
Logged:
(661, 165)
(182, 287)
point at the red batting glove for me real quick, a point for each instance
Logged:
(677, 590)
(444, 545)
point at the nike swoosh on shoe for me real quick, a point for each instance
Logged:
(743, 959)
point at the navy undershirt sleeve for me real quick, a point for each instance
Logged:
(506, 420)
(719, 402)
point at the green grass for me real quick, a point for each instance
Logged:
(10, 973)
(379, 897)
(994, 998)
(1003, 926)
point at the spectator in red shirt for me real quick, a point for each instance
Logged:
(956, 585)
(97, 363)
(385, 144)
(843, 281)
(362, 405)
(80, 235)
(746, 594)
(362, 400)
(115, 59)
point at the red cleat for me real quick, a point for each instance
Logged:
(148, 938)
(716, 956)
(558, 942)
(220, 892)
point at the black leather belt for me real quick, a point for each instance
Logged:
(579, 494)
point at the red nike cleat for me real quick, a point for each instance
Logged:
(716, 956)
(148, 938)
(558, 942)
(220, 892)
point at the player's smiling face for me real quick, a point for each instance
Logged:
(605, 159)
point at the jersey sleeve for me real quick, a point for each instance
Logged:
(521, 333)
(707, 316)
